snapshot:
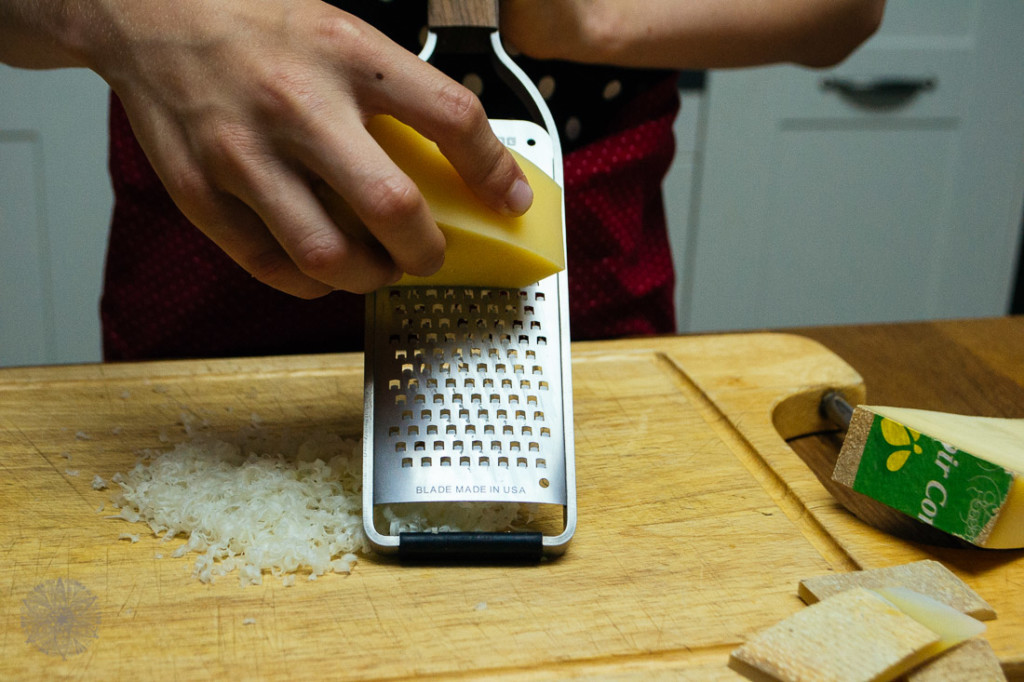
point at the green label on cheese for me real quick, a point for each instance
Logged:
(931, 481)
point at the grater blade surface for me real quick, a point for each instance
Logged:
(467, 394)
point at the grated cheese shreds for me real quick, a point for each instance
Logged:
(250, 511)
(281, 505)
(452, 517)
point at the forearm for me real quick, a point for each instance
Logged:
(695, 34)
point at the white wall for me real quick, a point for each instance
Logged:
(55, 203)
(682, 195)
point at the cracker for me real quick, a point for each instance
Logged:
(926, 577)
(972, 660)
(854, 636)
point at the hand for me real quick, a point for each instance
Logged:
(248, 109)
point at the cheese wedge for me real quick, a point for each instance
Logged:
(950, 625)
(484, 247)
(961, 474)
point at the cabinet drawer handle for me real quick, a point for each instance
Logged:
(876, 88)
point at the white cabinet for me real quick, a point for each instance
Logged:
(55, 204)
(887, 188)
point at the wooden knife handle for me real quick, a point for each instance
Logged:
(477, 13)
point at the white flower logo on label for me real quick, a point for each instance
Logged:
(60, 617)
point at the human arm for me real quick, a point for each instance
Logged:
(690, 34)
(246, 107)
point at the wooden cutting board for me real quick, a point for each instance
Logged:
(696, 522)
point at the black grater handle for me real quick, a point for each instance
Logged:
(834, 407)
(473, 547)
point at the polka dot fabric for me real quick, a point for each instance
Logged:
(169, 292)
(620, 265)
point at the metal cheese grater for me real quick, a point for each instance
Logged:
(468, 394)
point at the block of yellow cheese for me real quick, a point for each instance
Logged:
(484, 247)
(960, 474)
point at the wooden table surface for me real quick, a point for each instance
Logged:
(697, 519)
(968, 366)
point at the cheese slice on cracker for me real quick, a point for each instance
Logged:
(858, 635)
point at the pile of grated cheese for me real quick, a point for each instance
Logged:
(284, 506)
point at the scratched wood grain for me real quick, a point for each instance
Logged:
(696, 522)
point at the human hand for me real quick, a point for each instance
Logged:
(249, 110)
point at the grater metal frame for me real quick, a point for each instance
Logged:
(523, 450)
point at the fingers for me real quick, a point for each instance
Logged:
(266, 218)
(366, 186)
(281, 234)
(452, 116)
(459, 126)
(242, 235)
(226, 220)
(318, 246)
